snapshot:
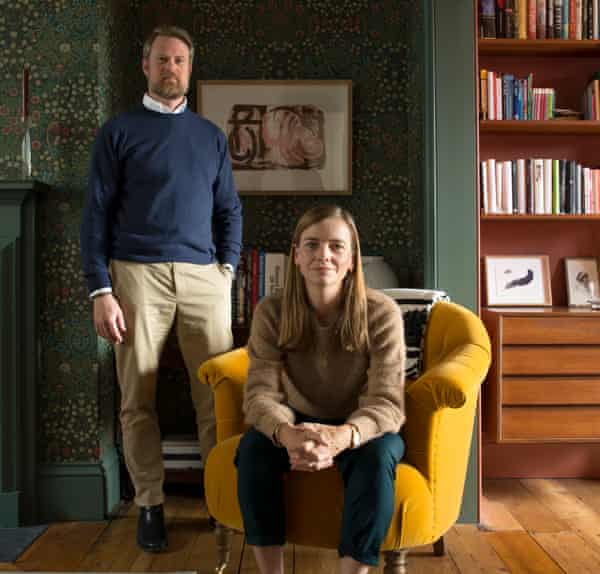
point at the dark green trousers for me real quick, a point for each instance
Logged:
(368, 473)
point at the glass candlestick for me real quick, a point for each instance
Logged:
(26, 149)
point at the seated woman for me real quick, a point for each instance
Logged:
(325, 387)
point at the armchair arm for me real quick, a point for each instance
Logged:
(450, 381)
(226, 374)
(440, 414)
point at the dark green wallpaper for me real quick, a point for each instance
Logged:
(85, 56)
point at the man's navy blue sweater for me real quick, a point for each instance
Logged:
(159, 184)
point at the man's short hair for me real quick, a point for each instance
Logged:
(169, 32)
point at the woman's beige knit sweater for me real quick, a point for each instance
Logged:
(326, 381)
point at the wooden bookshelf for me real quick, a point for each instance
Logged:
(540, 127)
(523, 436)
(540, 48)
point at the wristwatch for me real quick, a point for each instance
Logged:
(355, 437)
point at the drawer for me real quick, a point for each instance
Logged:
(551, 391)
(549, 360)
(550, 423)
(551, 330)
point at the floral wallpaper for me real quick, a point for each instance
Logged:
(84, 60)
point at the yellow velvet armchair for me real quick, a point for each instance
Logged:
(440, 412)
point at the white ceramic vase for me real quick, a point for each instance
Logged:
(378, 273)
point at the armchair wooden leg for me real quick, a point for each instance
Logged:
(224, 537)
(395, 562)
(438, 547)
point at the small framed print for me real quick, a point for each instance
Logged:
(518, 280)
(582, 280)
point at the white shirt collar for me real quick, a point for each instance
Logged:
(156, 106)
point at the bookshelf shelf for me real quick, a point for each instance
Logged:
(519, 127)
(507, 218)
(549, 48)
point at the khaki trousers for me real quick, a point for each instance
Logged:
(153, 296)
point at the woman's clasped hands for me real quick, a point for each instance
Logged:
(313, 446)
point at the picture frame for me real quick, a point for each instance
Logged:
(518, 281)
(581, 277)
(285, 137)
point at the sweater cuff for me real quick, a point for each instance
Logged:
(268, 424)
(97, 281)
(366, 426)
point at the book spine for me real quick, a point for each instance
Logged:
(572, 19)
(522, 18)
(549, 19)
(540, 29)
(487, 18)
(555, 188)
(522, 187)
(483, 177)
(531, 20)
(509, 15)
(558, 21)
(547, 186)
(483, 94)
(492, 200)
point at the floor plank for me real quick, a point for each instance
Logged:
(521, 553)
(581, 518)
(495, 515)
(570, 551)
(422, 561)
(63, 547)
(532, 514)
(472, 553)
(588, 491)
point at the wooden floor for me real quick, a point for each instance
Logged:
(528, 526)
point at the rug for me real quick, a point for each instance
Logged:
(14, 541)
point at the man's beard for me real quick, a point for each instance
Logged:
(168, 90)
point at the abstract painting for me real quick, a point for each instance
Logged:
(284, 137)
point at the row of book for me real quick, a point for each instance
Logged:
(259, 273)
(505, 97)
(539, 19)
(539, 186)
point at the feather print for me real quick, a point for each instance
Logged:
(520, 281)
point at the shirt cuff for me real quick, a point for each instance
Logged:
(102, 291)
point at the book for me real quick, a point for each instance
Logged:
(275, 265)
(487, 18)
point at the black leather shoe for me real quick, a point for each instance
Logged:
(151, 533)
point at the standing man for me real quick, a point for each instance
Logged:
(160, 239)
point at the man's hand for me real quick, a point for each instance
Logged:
(109, 320)
(305, 448)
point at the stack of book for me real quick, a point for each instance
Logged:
(181, 452)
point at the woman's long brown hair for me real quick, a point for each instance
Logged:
(295, 330)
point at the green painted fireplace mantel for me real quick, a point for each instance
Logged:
(18, 352)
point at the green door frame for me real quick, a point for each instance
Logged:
(451, 248)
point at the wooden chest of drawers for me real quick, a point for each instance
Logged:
(544, 383)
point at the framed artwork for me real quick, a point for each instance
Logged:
(518, 280)
(284, 137)
(582, 280)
